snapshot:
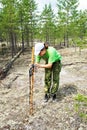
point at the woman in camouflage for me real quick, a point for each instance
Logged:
(52, 68)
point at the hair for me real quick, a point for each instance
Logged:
(46, 45)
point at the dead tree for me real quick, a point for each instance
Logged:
(6, 68)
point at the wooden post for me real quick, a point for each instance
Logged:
(31, 85)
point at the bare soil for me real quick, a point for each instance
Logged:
(58, 115)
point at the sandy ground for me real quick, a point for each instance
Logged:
(58, 115)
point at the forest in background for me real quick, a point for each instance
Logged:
(21, 25)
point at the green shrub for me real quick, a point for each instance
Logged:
(81, 106)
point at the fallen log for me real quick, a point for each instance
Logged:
(6, 68)
(68, 64)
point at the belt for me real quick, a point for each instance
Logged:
(56, 62)
(59, 61)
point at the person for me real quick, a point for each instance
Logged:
(52, 68)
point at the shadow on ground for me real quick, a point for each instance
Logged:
(66, 90)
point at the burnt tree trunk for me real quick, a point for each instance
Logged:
(6, 68)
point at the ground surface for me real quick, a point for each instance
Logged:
(58, 115)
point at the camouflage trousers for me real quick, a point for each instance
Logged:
(52, 78)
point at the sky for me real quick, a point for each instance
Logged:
(41, 3)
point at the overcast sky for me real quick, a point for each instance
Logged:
(41, 3)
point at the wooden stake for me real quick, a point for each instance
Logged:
(31, 79)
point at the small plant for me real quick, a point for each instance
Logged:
(81, 98)
(81, 106)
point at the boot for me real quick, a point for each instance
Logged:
(54, 97)
(46, 98)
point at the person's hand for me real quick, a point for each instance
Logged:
(38, 65)
(44, 66)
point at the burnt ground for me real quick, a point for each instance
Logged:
(58, 115)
